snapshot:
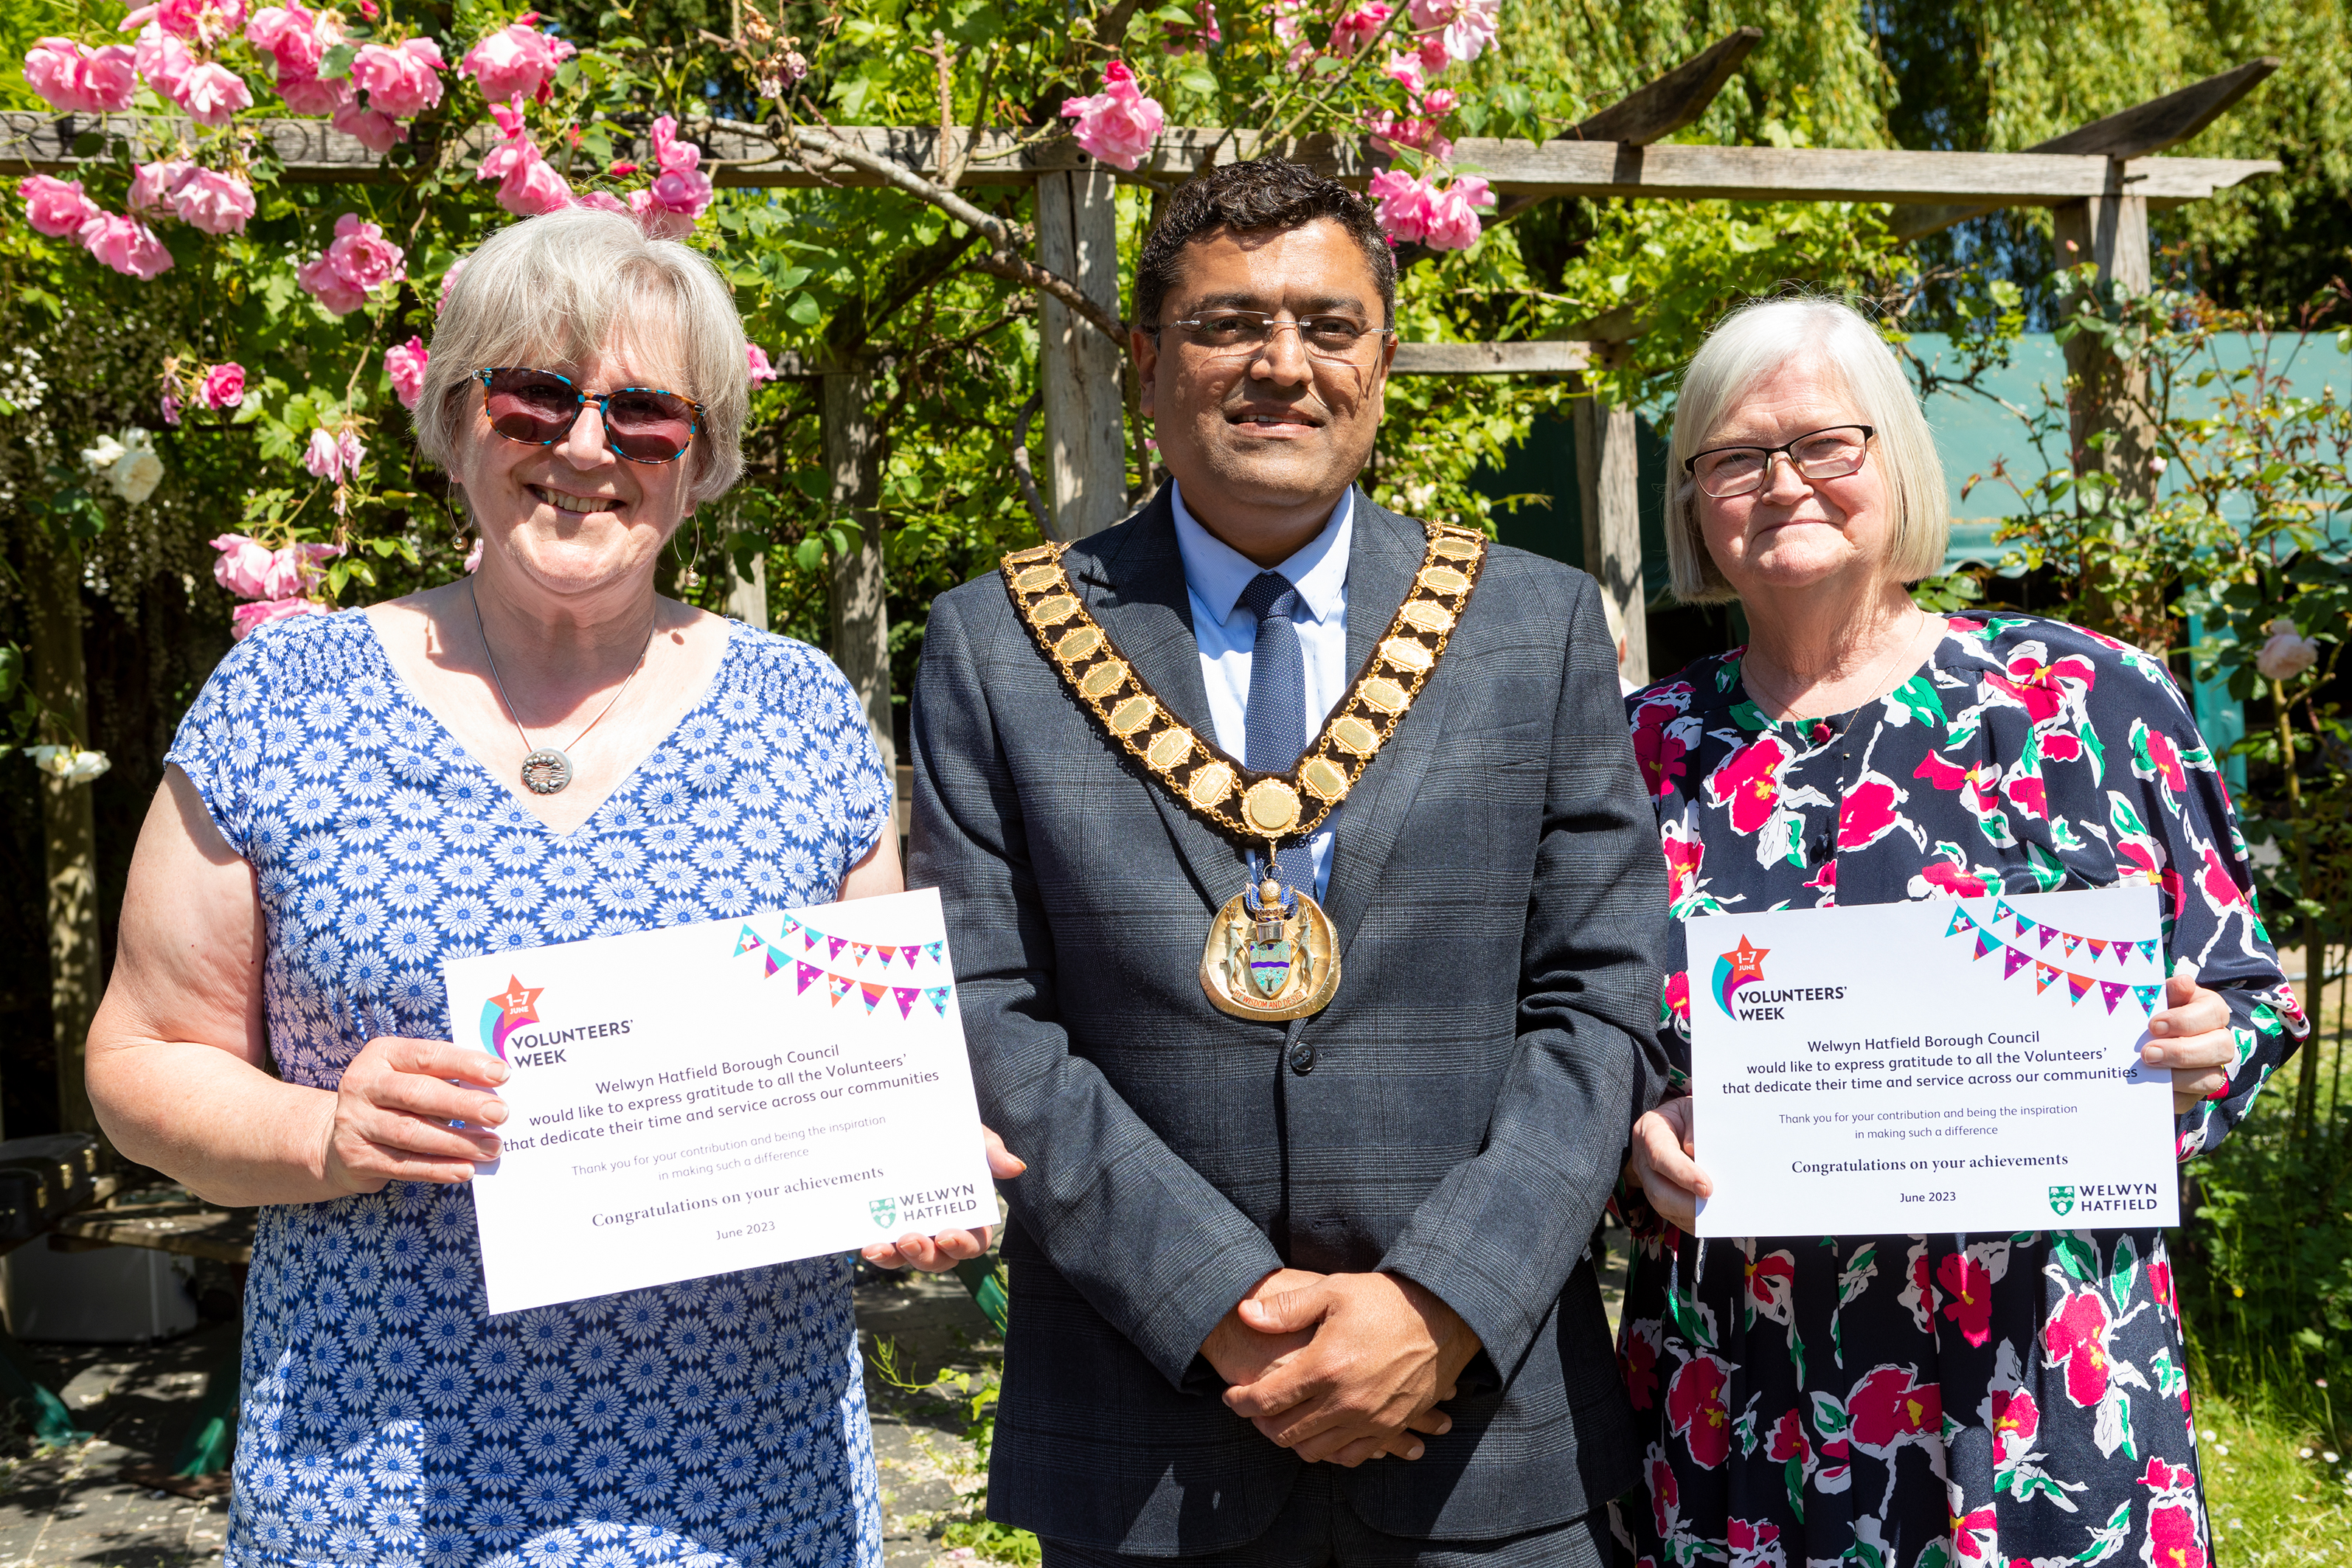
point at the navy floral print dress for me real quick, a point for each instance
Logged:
(385, 1418)
(1937, 1401)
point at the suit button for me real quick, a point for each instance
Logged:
(1302, 1059)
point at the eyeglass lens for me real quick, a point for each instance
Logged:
(641, 424)
(1223, 332)
(1824, 455)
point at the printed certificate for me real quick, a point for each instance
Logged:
(714, 1097)
(1898, 1068)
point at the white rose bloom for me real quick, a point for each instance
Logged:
(67, 763)
(2286, 655)
(136, 474)
(86, 765)
(102, 456)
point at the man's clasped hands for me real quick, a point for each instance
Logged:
(1341, 1367)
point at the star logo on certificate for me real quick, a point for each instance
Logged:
(1736, 969)
(519, 1002)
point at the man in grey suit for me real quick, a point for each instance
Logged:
(1299, 1270)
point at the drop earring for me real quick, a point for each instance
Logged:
(689, 579)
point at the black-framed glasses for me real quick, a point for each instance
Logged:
(1827, 454)
(1233, 334)
(539, 408)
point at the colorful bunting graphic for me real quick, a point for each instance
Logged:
(2112, 992)
(2077, 987)
(939, 996)
(904, 997)
(834, 944)
(2072, 942)
(1985, 943)
(872, 992)
(750, 941)
(2044, 974)
(838, 986)
(808, 940)
(2012, 959)
(2147, 997)
(887, 954)
(2148, 950)
(2097, 945)
(1960, 922)
(938, 951)
(775, 962)
(858, 951)
(790, 925)
(808, 973)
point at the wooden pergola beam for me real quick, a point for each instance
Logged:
(1676, 100)
(1491, 359)
(43, 143)
(2135, 132)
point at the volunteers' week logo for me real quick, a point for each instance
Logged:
(2061, 1201)
(884, 1211)
(1732, 971)
(507, 1011)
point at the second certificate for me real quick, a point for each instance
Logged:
(1902, 1069)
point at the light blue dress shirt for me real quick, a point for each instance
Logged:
(1214, 575)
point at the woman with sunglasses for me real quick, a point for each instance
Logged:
(544, 750)
(1910, 1400)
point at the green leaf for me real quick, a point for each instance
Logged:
(337, 62)
(804, 311)
(2078, 1257)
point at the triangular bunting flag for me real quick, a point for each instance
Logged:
(790, 925)
(1959, 923)
(2012, 959)
(834, 944)
(775, 962)
(939, 996)
(838, 986)
(809, 939)
(2078, 987)
(858, 951)
(937, 950)
(2147, 997)
(909, 950)
(872, 992)
(887, 954)
(1985, 943)
(2023, 925)
(2072, 942)
(2148, 950)
(2043, 974)
(2098, 946)
(2047, 932)
(2112, 992)
(750, 941)
(807, 972)
(2001, 912)
(904, 997)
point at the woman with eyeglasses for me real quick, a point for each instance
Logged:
(544, 750)
(1910, 1401)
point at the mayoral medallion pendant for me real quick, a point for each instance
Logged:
(1271, 955)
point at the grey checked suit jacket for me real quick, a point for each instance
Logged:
(1499, 900)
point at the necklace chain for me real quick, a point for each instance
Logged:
(1747, 674)
(551, 763)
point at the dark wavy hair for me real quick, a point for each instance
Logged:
(1262, 195)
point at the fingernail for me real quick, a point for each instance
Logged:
(2151, 1054)
(1415, 1452)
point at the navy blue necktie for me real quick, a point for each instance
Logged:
(1278, 704)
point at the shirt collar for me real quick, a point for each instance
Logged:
(1216, 573)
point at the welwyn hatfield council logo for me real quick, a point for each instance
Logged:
(2061, 1201)
(1736, 969)
(507, 1011)
(884, 1210)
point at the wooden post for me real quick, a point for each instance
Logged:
(747, 597)
(69, 830)
(861, 616)
(2109, 397)
(1608, 481)
(1078, 369)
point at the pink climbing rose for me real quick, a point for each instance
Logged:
(1117, 124)
(213, 94)
(755, 359)
(400, 80)
(245, 619)
(358, 261)
(79, 80)
(152, 185)
(680, 193)
(404, 364)
(223, 386)
(55, 207)
(213, 202)
(377, 131)
(1465, 27)
(1358, 27)
(527, 184)
(126, 244)
(516, 61)
(1412, 209)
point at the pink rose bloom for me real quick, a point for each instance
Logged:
(1354, 30)
(126, 244)
(527, 185)
(1463, 26)
(202, 20)
(213, 94)
(171, 409)
(379, 131)
(79, 80)
(348, 448)
(404, 364)
(164, 62)
(756, 359)
(474, 556)
(308, 95)
(603, 201)
(679, 192)
(54, 207)
(1117, 124)
(362, 255)
(223, 386)
(401, 82)
(245, 618)
(153, 185)
(1440, 101)
(450, 278)
(1403, 205)
(289, 33)
(244, 565)
(213, 202)
(323, 457)
(320, 280)
(516, 61)
(1408, 72)
(1389, 131)
(1453, 225)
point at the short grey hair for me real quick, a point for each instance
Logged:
(554, 290)
(1760, 338)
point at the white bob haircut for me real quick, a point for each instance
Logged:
(1748, 345)
(553, 291)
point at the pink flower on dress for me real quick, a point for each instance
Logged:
(1891, 1407)
(2041, 688)
(1117, 124)
(2015, 1420)
(1868, 812)
(75, 80)
(1694, 1409)
(1358, 27)
(223, 386)
(404, 364)
(55, 207)
(516, 61)
(1659, 752)
(1637, 1363)
(1787, 1441)
(2173, 1538)
(400, 82)
(245, 619)
(213, 202)
(358, 261)
(126, 244)
(1750, 783)
(213, 94)
(680, 193)
(2077, 1336)
(1967, 1296)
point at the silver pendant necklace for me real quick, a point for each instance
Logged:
(545, 769)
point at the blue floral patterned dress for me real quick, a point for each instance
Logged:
(2014, 1401)
(386, 1418)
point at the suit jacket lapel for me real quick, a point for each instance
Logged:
(1135, 588)
(1386, 552)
